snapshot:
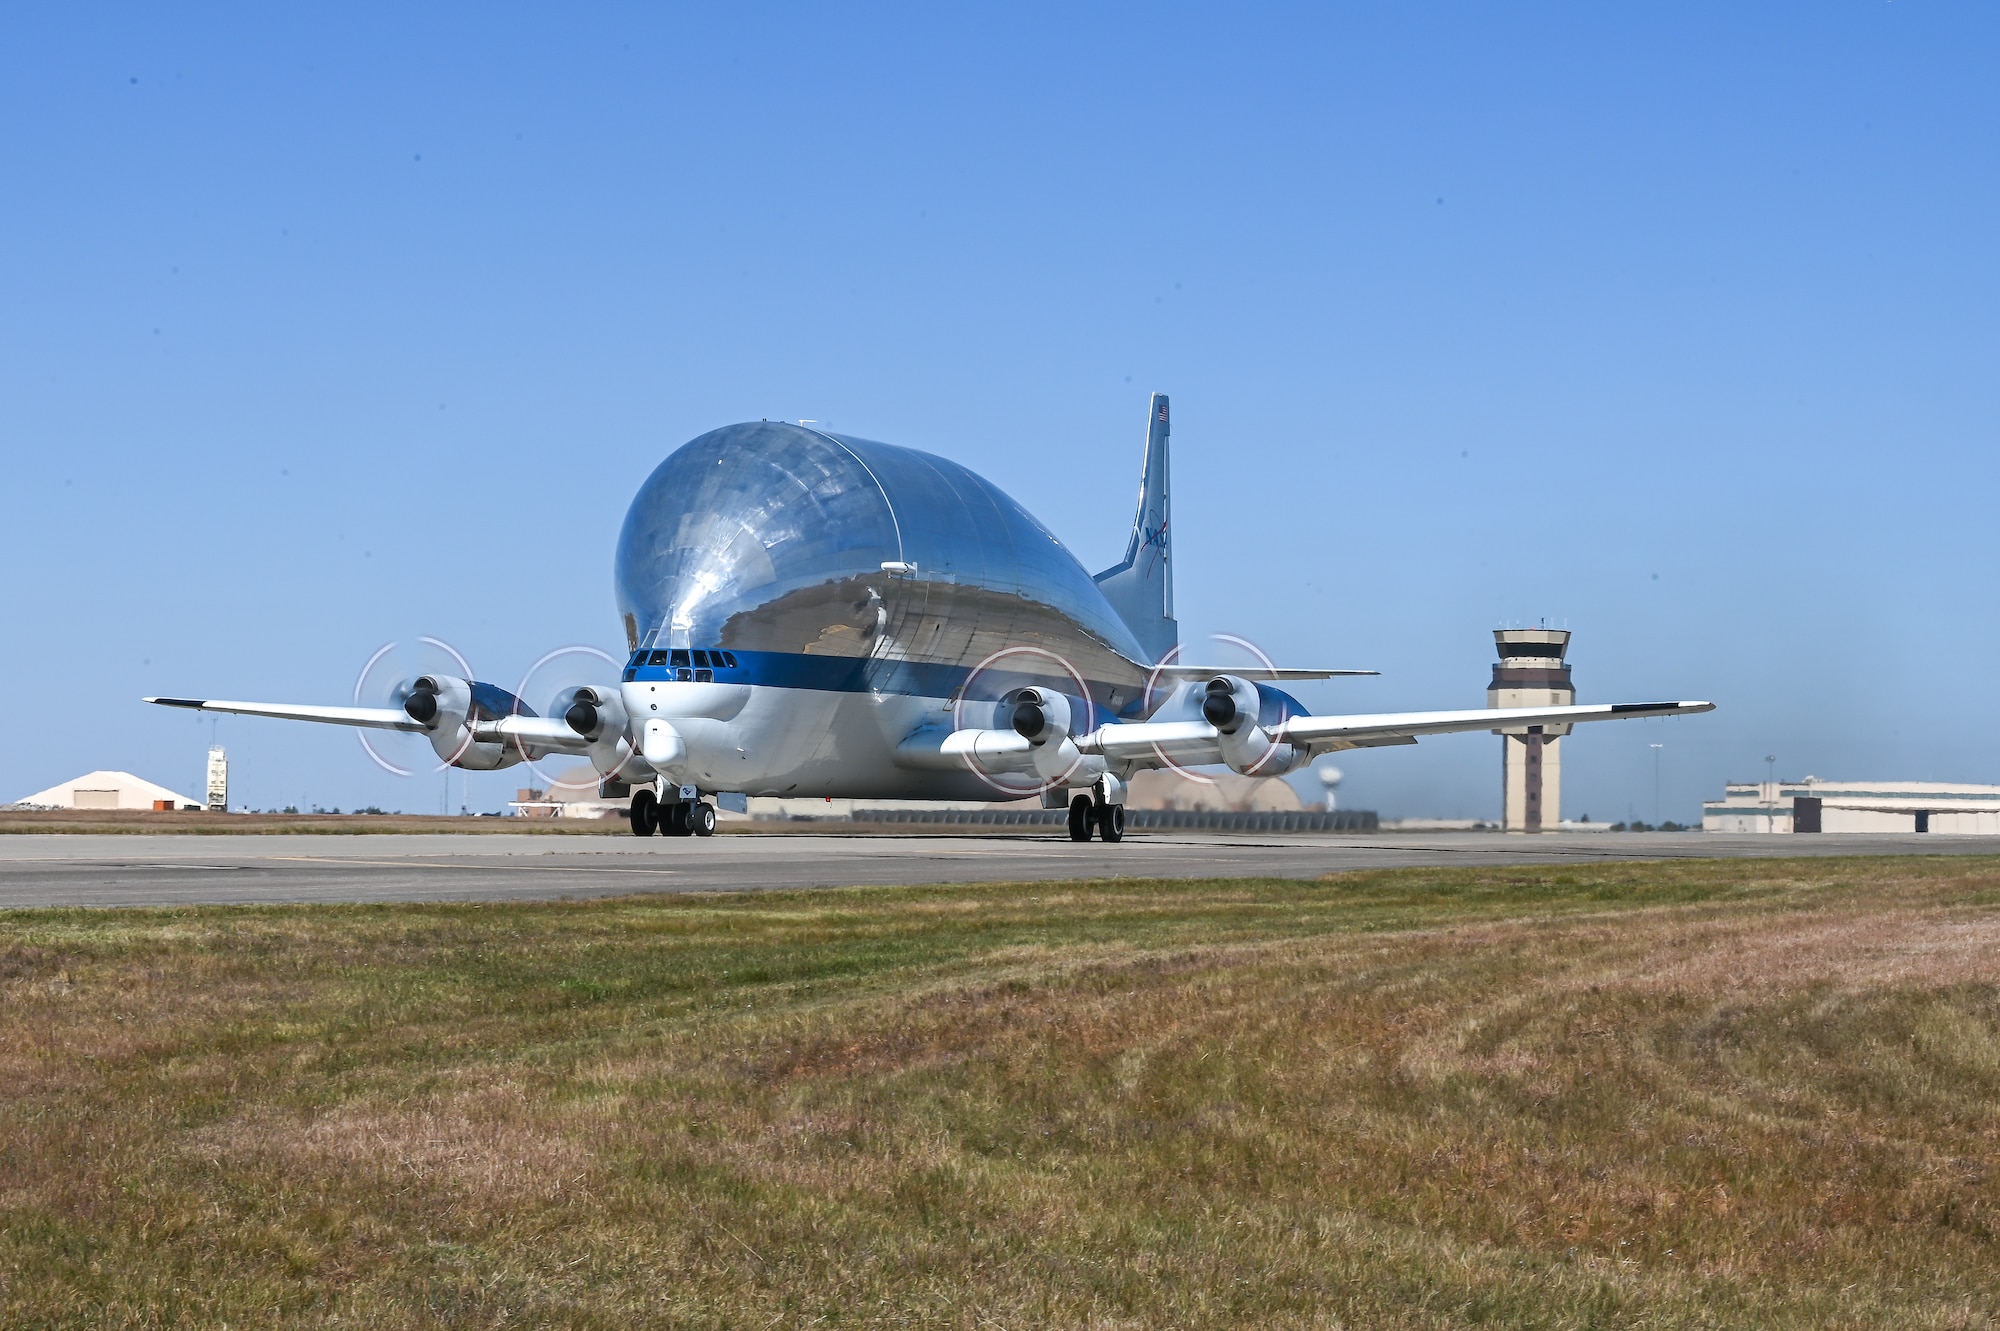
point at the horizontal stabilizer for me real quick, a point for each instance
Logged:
(1179, 672)
(373, 718)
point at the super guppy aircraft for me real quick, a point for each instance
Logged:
(812, 614)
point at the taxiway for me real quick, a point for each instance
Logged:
(140, 870)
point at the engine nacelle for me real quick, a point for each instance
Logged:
(1043, 718)
(450, 711)
(1039, 716)
(1235, 707)
(599, 716)
(592, 713)
(1229, 704)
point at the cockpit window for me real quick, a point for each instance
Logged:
(658, 658)
(700, 659)
(680, 657)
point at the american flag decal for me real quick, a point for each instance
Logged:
(1163, 413)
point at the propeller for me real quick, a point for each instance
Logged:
(407, 674)
(588, 699)
(1042, 697)
(1234, 706)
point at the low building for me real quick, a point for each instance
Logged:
(764, 807)
(571, 793)
(1211, 792)
(1813, 805)
(108, 790)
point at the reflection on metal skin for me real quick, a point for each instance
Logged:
(778, 538)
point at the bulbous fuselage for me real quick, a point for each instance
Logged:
(821, 561)
(800, 604)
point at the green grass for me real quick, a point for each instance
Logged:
(1682, 1094)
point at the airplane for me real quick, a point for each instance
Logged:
(809, 613)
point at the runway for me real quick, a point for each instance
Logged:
(45, 871)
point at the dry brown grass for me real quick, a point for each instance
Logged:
(1687, 1094)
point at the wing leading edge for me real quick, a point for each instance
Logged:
(532, 734)
(373, 718)
(1329, 734)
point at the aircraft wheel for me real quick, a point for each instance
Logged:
(1079, 818)
(644, 813)
(674, 820)
(703, 817)
(1111, 822)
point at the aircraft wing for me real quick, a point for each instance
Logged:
(374, 718)
(1183, 741)
(534, 734)
(1354, 732)
(1199, 742)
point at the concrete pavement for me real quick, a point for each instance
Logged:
(144, 870)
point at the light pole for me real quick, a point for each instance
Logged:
(1656, 785)
(1771, 791)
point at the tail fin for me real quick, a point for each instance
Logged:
(1141, 589)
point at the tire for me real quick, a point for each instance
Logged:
(1079, 818)
(1111, 822)
(703, 818)
(674, 820)
(644, 813)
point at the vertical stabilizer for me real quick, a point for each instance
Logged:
(1141, 589)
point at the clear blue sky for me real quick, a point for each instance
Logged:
(1674, 324)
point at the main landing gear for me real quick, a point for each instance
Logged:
(675, 818)
(1108, 820)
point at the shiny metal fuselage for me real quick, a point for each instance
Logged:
(865, 593)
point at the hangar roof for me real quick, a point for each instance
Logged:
(129, 792)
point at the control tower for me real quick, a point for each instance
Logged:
(1531, 672)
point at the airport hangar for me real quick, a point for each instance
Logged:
(1813, 805)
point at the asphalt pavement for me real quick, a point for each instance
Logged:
(142, 870)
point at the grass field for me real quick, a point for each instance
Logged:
(1684, 1094)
